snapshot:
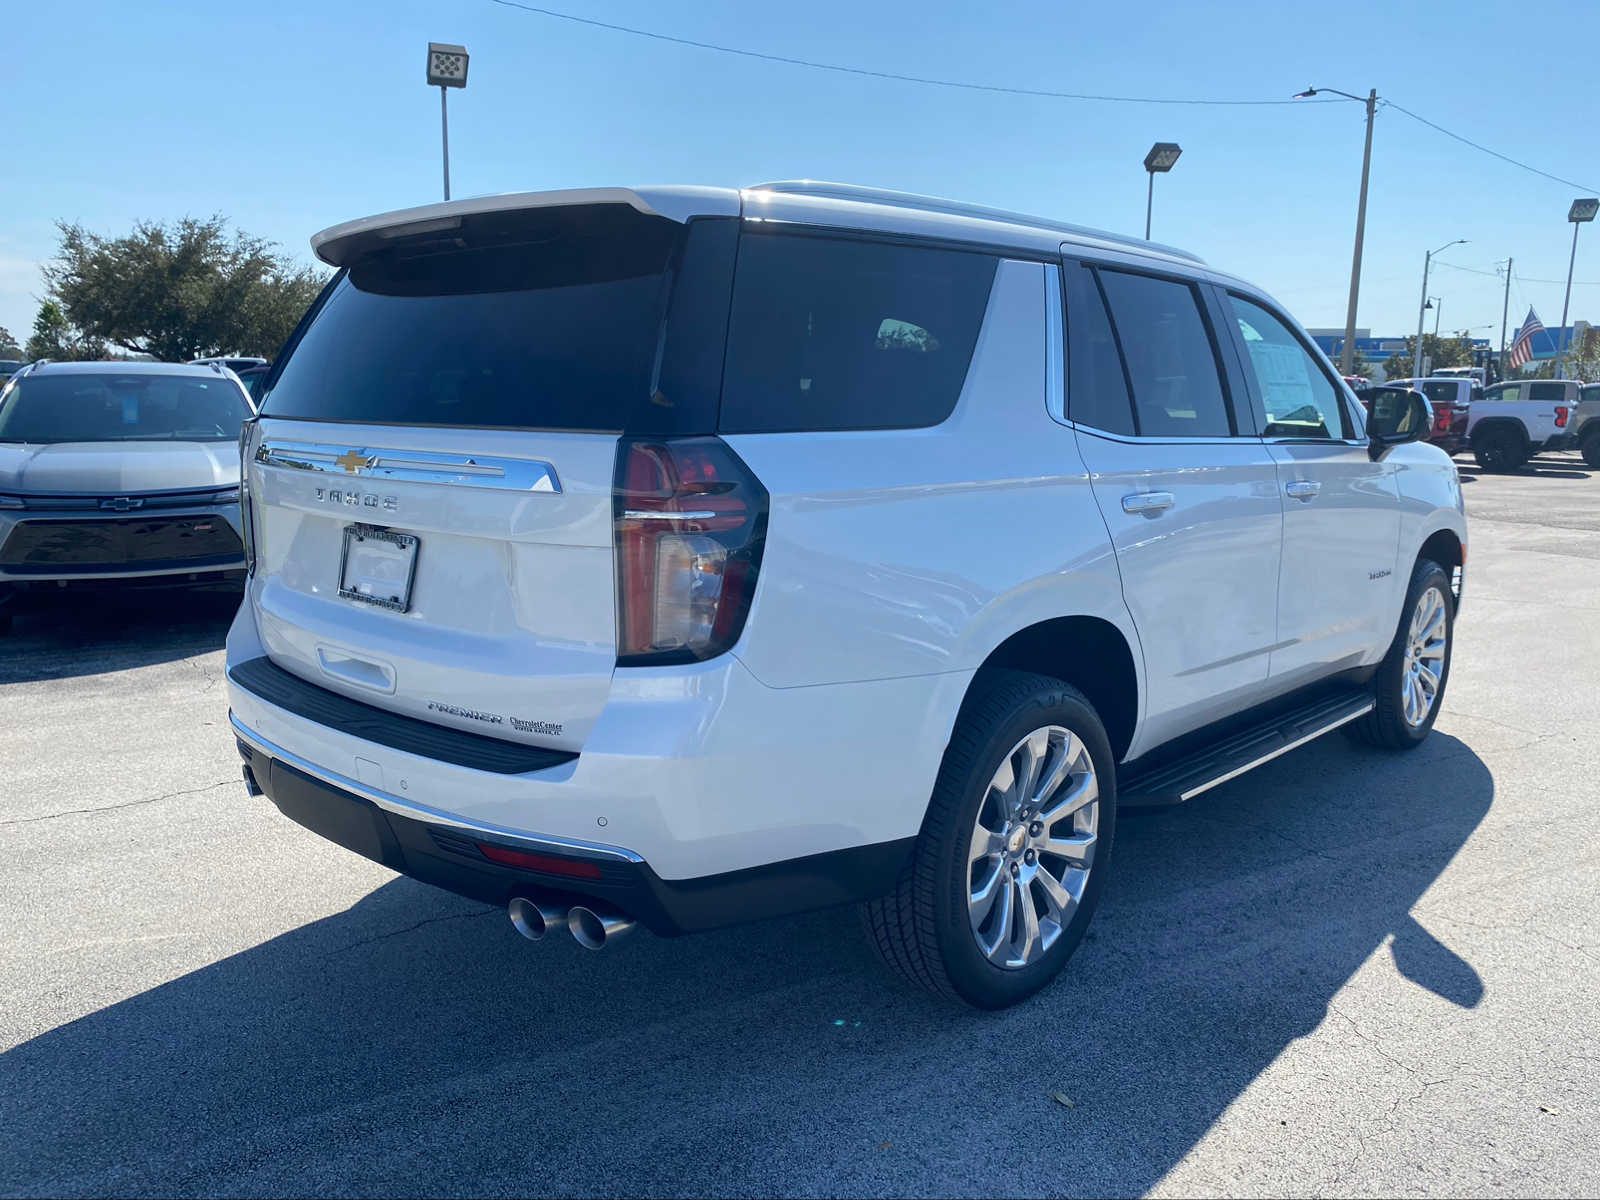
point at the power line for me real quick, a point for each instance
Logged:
(1582, 187)
(969, 86)
(1523, 278)
(963, 85)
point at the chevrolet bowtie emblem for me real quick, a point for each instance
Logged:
(353, 462)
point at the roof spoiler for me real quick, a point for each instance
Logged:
(340, 245)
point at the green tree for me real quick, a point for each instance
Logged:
(9, 346)
(55, 338)
(1436, 352)
(180, 291)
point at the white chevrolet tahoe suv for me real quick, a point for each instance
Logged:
(686, 556)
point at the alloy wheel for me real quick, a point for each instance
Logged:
(1032, 846)
(1424, 663)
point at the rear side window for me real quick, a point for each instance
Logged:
(1546, 393)
(837, 333)
(549, 319)
(1172, 367)
(1097, 393)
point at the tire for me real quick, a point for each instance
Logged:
(1500, 450)
(925, 929)
(1388, 724)
(1591, 450)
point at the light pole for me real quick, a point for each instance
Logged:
(1347, 356)
(447, 68)
(1161, 157)
(1581, 211)
(1437, 304)
(1422, 305)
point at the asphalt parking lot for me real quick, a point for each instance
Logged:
(1345, 973)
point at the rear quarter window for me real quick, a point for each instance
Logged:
(839, 333)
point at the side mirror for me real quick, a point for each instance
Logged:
(1395, 415)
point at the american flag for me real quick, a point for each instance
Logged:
(1522, 348)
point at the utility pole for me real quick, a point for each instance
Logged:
(1347, 357)
(1505, 307)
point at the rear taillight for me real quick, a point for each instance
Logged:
(246, 508)
(1442, 418)
(1561, 416)
(691, 519)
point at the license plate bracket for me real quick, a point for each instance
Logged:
(377, 566)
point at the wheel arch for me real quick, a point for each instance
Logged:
(1091, 654)
(1445, 547)
(1499, 424)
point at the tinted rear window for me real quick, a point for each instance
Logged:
(837, 333)
(549, 319)
(1547, 392)
(1439, 393)
(1177, 388)
(1097, 395)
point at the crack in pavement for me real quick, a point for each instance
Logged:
(74, 812)
(409, 928)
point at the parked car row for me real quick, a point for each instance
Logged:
(1508, 423)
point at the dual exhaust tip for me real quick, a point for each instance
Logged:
(593, 927)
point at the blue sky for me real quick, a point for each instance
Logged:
(294, 115)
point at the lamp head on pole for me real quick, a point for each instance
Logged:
(447, 65)
(1583, 210)
(1161, 157)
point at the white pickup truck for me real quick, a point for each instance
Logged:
(1516, 420)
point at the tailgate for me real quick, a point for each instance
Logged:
(410, 569)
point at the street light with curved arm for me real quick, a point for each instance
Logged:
(1422, 305)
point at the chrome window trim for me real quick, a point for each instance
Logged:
(1055, 358)
(1133, 439)
(412, 466)
(421, 812)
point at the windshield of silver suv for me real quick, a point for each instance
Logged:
(122, 408)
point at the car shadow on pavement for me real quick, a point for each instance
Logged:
(87, 633)
(413, 1044)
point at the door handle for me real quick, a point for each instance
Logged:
(1303, 489)
(1149, 504)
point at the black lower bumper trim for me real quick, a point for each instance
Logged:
(264, 678)
(449, 858)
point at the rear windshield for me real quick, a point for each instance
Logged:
(1439, 393)
(103, 407)
(542, 320)
(603, 319)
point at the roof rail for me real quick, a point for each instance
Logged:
(886, 196)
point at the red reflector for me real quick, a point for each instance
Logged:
(539, 862)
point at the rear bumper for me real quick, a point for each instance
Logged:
(698, 770)
(455, 857)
